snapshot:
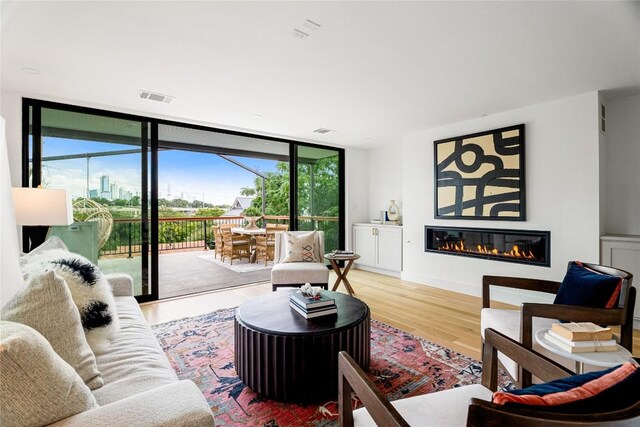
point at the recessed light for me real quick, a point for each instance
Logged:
(31, 70)
(484, 115)
(258, 115)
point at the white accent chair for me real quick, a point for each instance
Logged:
(296, 274)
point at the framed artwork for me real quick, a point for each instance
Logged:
(481, 176)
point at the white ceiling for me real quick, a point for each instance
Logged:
(373, 71)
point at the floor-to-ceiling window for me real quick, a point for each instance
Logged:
(101, 161)
(145, 190)
(319, 193)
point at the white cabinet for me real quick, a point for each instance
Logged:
(379, 247)
(623, 251)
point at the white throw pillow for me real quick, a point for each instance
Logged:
(51, 244)
(37, 387)
(46, 305)
(300, 247)
(89, 288)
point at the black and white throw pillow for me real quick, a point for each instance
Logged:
(89, 288)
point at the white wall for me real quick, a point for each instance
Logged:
(623, 165)
(10, 275)
(562, 191)
(385, 178)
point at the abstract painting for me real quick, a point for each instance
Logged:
(481, 176)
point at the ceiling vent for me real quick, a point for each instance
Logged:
(323, 130)
(151, 96)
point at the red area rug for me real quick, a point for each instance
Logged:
(201, 349)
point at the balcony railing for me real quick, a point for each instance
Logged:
(195, 233)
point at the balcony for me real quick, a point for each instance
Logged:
(186, 252)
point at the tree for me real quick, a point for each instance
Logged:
(135, 201)
(210, 212)
(247, 191)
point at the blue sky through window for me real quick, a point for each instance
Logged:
(182, 174)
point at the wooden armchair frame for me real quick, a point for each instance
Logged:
(480, 413)
(622, 316)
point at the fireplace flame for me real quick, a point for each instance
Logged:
(515, 251)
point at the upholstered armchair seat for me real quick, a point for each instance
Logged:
(508, 322)
(445, 408)
(296, 273)
(290, 274)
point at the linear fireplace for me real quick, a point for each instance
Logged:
(522, 246)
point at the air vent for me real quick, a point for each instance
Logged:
(323, 130)
(151, 96)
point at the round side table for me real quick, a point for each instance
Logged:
(606, 359)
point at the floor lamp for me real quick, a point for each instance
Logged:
(38, 208)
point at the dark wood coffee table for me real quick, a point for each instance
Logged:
(284, 356)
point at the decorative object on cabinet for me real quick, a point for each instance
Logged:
(393, 214)
(481, 175)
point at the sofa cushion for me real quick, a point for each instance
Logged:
(89, 289)
(609, 390)
(37, 387)
(586, 287)
(300, 273)
(300, 247)
(45, 304)
(133, 362)
(443, 408)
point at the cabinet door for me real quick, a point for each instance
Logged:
(626, 256)
(364, 244)
(390, 248)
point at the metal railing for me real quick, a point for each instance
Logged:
(195, 232)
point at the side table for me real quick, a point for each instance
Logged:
(342, 274)
(606, 359)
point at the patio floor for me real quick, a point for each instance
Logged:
(189, 272)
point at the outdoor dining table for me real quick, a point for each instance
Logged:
(252, 233)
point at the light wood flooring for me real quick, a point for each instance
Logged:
(444, 317)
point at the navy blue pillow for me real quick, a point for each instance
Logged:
(586, 287)
(603, 391)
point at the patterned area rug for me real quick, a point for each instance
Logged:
(201, 349)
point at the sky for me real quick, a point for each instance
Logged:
(181, 174)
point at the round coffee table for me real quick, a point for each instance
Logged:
(282, 355)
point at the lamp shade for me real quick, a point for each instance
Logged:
(42, 206)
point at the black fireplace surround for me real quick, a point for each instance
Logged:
(521, 246)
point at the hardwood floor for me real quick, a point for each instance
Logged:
(444, 317)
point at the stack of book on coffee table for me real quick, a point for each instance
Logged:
(584, 337)
(311, 307)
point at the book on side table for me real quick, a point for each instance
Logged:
(583, 331)
(582, 337)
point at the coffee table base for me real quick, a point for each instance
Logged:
(298, 368)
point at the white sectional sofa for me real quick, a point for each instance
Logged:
(140, 387)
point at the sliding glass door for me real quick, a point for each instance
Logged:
(101, 161)
(319, 196)
(207, 179)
